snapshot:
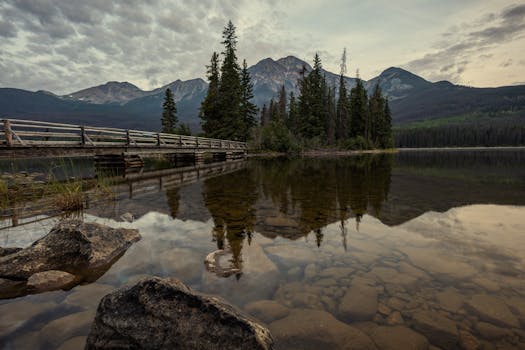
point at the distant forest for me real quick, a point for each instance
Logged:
(487, 132)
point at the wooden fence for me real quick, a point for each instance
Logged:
(29, 133)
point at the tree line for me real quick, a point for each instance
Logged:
(499, 132)
(169, 117)
(321, 116)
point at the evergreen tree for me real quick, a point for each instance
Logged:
(312, 108)
(376, 107)
(331, 116)
(386, 137)
(248, 109)
(281, 104)
(230, 90)
(209, 112)
(264, 115)
(292, 120)
(358, 110)
(169, 113)
(343, 104)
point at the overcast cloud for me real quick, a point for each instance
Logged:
(66, 45)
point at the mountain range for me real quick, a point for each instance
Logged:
(124, 105)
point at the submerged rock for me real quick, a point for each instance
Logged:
(316, 329)
(493, 310)
(359, 303)
(50, 280)
(71, 246)
(73, 252)
(398, 337)
(267, 310)
(165, 314)
(441, 331)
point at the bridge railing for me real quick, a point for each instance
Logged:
(23, 133)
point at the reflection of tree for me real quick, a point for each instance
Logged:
(230, 199)
(173, 200)
(316, 192)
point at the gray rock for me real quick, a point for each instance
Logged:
(71, 246)
(398, 337)
(492, 309)
(439, 330)
(50, 280)
(316, 329)
(267, 310)
(310, 271)
(359, 303)
(450, 299)
(128, 217)
(165, 314)
(290, 255)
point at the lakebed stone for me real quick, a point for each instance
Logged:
(50, 280)
(493, 310)
(439, 330)
(267, 310)
(316, 329)
(16, 314)
(398, 337)
(160, 313)
(359, 303)
(64, 328)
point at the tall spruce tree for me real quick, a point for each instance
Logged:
(312, 107)
(376, 108)
(343, 104)
(264, 116)
(358, 110)
(169, 113)
(387, 139)
(248, 109)
(209, 112)
(230, 90)
(281, 104)
(292, 120)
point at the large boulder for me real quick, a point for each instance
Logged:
(160, 313)
(71, 246)
(359, 302)
(85, 250)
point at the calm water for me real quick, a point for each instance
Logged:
(406, 251)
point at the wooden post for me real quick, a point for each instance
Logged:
(128, 138)
(7, 131)
(82, 135)
(158, 139)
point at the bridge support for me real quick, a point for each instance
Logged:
(122, 161)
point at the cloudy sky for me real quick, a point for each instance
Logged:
(66, 45)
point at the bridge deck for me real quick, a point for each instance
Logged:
(35, 138)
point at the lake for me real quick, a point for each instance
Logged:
(414, 250)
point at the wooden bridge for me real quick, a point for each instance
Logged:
(28, 138)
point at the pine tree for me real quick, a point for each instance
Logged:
(358, 110)
(387, 139)
(343, 104)
(376, 107)
(292, 120)
(264, 115)
(311, 107)
(230, 91)
(209, 112)
(331, 116)
(248, 109)
(169, 113)
(281, 104)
